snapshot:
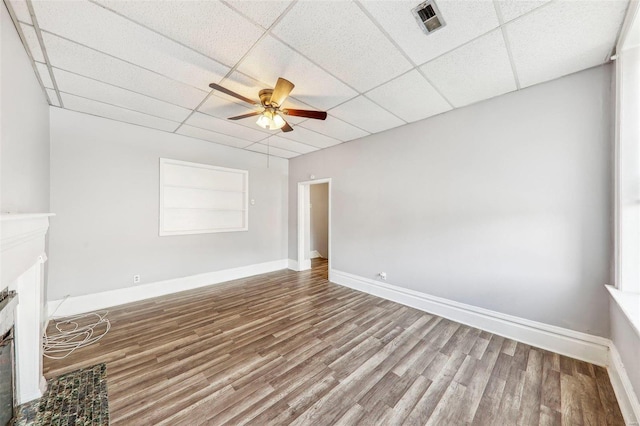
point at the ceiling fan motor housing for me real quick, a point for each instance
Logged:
(265, 97)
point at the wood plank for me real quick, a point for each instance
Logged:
(570, 399)
(612, 412)
(487, 411)
(529, 413)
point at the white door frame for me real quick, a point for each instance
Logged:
(304, 262)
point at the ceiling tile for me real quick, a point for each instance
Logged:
(271, 59)
(98, 28)
(90, 63)
(410, 97)
(564, 37)
(226, 127)
(511, 9)
(476, 71)
(339, 37)
(309, 137)
(276, 152)
(335, 128)
(32, 42)
(263, 12)
(92, 89)
(43, 71)
(367, 115)
(21, 10)
(198, 133)
(100, 109)
(289, 145)
(53, 97)
(209, 27)
(465, 20)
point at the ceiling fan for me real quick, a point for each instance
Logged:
(271, 101)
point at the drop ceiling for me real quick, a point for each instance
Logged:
(367, 63)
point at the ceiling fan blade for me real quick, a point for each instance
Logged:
(318, 115)
(281, 91)
(286, 127)
(240, 117)
(230, 93)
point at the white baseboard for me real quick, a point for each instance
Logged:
(593, 349)
(314, 254)
(293, 265)
(627, 398)
(91, 302)
(43, 385)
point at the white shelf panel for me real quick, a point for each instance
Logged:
(200, 198)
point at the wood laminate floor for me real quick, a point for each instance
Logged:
(291, 348)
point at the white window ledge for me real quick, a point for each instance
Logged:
(629, 304)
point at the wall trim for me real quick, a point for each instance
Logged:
(91, 302)
(586, 347)
(293, 265)
(627, 398)
(314, 254)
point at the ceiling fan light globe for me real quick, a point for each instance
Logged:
(278, 122)
(264, 122)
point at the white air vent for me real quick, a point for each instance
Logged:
(428, 16)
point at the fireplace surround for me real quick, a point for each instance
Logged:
(22, 258)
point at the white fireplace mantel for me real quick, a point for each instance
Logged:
(22, 255)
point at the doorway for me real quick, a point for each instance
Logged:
(314, 223)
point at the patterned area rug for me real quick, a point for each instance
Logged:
(76, 398)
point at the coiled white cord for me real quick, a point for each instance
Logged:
(71, 335)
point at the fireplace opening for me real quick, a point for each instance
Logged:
(6, 377)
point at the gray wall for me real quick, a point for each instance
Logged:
(318, 194)
(24, 128)
(503, 204)
(104, 191)
(627, 341)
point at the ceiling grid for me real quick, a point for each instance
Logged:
(367, 63)
(134, 65)
(506, 43)
(235, 67)
(36, 27)
(154, 31)
(415, 66)
(29, 54)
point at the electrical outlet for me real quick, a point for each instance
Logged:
(383, 275)
(136, 279)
